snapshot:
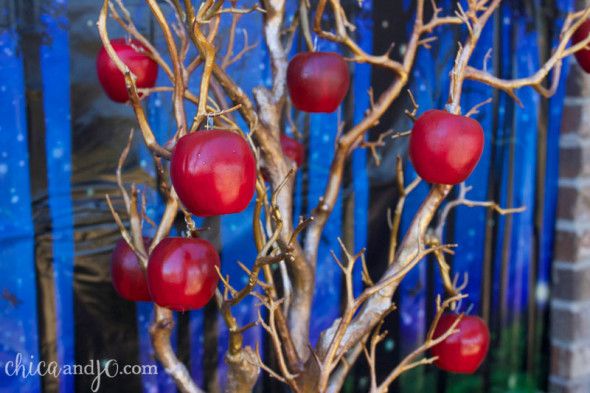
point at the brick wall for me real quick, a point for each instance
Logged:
(570, 304)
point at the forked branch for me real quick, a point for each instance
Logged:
(413, 360)
(554, 63)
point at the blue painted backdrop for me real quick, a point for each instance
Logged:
(514, 273)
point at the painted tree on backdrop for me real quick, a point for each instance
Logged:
(217, 166)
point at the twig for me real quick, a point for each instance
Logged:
(410, 362)
(554, 63)
(179, 86)
(462, 200)
(404, 191)
(380, 142)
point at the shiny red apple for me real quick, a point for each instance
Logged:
(317, 81)
(293, 149)
(464, 351)
(583, 56)
(135, 56)
(181, 273)
(213, 172)
(445, 148)
(126, 274)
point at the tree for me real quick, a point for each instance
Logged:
(358, 330)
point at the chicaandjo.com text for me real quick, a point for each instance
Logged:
(21, 368)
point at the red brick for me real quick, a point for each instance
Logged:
(578, 82)
(576, 385)
(571, 361)
(571, 283)
(575, 161)
(574, 202)
(571, 118)
(570, 323)
(572, 246)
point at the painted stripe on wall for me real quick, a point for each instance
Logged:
(470, 223)
(55, 66)
(323, 131)
(360, 181)
(237, 240)
(18, 303)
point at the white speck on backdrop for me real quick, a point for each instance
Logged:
(363, 382)
(58, 152)
(542, 292)
(406, 318)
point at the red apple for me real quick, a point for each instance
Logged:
(317, 81)
(583, 56)
(293, 149)
(464, 351)
(134, 55)
(126, 274)
(213, 172)
(445, 148)
(181, 273)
